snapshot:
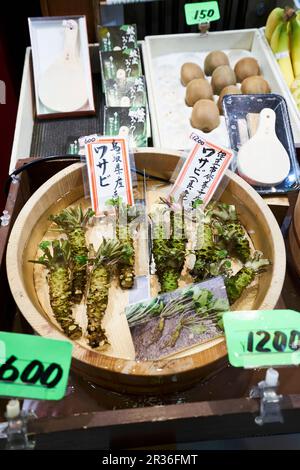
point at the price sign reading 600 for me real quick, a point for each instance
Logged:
(33, 367)
(263, 338)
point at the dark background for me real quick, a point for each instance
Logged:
(157, 17)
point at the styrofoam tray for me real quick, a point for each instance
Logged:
(163, 58)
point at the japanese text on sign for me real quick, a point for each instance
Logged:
(109, 171)
(201, 172)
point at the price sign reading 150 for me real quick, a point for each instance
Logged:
(196, 13)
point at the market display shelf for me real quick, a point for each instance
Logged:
(92, 417)
(163, 58)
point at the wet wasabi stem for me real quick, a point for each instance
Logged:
(169, 253)
(235, 285)
(223, 237)
(205, 254)
(73, 221)
(230, 231)
(59, 265)
(108, 254)
(125, 214)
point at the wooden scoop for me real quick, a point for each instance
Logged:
(62, 87)
(262, 160)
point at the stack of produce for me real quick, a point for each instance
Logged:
(283, 34)
(76, 273)
(224, 239)
(200, 91)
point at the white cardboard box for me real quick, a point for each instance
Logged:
(163, 57)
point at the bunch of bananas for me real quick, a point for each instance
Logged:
(283, 34)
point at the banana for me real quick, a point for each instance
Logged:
(274, 18)
(295, 89)
(295, 44)
(280, 47)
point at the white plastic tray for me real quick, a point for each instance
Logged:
(163, 57)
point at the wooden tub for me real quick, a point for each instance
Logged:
(118, 374)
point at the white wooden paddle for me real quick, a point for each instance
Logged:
(262, 160)
(62, 87)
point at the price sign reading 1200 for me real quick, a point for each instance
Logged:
(263, 338)
(204, 12)
(266, 341)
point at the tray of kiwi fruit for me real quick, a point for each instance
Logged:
(224, 81)
(188, 76)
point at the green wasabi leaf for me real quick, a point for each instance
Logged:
(45, 244)
(81, 259)
(196, 203)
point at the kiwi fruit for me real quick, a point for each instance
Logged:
(222, 76)
(228, 90)
(189, 71)
(198, 89)
(205, 115)
(213, 60)
(255, 84)
(246, 67)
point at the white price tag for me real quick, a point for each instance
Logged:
(201, 172)
(109, 171)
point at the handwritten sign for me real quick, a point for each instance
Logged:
(109, 171)
(203, 12)
(262, 338)
(201, 172)
(33, 367)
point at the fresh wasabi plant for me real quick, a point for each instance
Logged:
(195, 308)
(169, 250)
(73, 222)
(224, 238)
(108, 255)
(235, 285)
(229, 230)
(59, 263)
(125, 215)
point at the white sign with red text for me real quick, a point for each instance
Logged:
(202, 171)
(109, 171)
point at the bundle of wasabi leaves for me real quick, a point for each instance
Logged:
(174, 321)
(224, 239)
(76, 273)
(221, 239)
